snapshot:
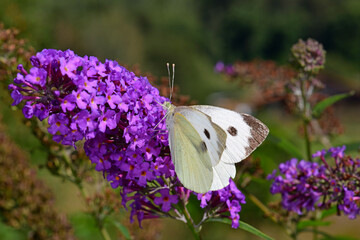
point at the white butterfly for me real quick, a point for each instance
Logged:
(206, 142)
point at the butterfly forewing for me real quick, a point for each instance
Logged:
(191, 160)
(244, 132)
(212, 136)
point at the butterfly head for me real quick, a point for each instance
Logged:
(168, 106)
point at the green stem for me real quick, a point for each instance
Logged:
(307, 140)
(105, 234)
(190, 223)
(262, 207)
(315, 229)
(78, 182)
(305, 117)
(293, 228)
(67, 159)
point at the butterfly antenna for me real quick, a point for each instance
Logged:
(158, 102)
(173, 79)
(161, 120)
(168, 70)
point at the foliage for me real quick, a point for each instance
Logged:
(156, 32)
(26, 203)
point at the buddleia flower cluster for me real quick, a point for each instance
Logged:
(305, 185)
(119, 115)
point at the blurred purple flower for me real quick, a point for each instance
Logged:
(337, 152)
(219, 67)
(306, 185)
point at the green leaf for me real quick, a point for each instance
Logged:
(9, 233)
(85, 226)
(326, 236)
(322, 105)
(354, 146)
(124, 231)
(328, 212)
(311, 223)
(258, 180)
(285, 145)
(243, 226)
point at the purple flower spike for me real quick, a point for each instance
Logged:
(304, 184)
(115, 112)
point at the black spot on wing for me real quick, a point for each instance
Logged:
(232, 131)
(203, 147)
(207, 134)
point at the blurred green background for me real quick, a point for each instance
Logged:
(192, 34)
(195, 35)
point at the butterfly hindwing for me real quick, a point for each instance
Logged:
(221, 174)
(244, 132)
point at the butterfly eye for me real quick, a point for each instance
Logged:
(232, 131)
(207, 134)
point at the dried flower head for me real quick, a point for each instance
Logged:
(14, 50)
(25, 202)
(268, 79)
(308, 56)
